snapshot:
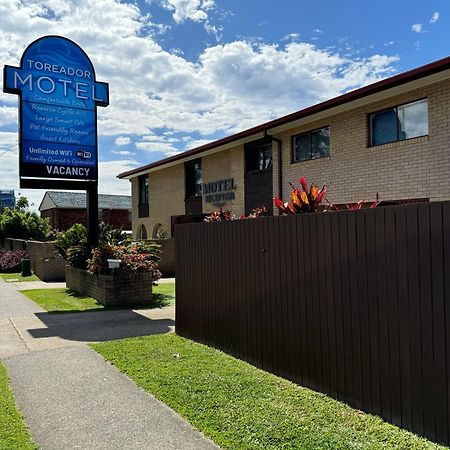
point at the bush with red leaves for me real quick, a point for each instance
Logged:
(10, 260)
(133, 260)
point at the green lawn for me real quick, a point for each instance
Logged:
(13, 431)
(65, 300)
(241, 407)
(18, 277)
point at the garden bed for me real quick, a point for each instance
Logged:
(124, 289)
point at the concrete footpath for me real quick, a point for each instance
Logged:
(70, 396)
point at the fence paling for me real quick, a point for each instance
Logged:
(354, 304)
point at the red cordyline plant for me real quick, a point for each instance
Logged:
(257, 213)
(302, 202)
(356, 206)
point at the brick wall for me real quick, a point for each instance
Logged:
(15, 244)
(117, 218)
(224, 165)
(415, 168)
(121, 290)
(63, 219)
(167, 191)
(166, 198)
(45, 261)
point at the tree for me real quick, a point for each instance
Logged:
(23, 225)
(22, 203)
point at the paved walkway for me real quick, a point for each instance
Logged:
(70, 396)
(23, 285)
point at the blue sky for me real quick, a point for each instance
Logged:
(185, 72)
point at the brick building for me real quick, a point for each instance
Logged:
(64, 209)
(390, 138)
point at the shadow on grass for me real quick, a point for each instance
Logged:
(161, 300)
(158, 301)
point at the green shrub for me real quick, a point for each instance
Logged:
(78, 255)
(72, 246)
(112, 236)
(23, 225)
(76, 235)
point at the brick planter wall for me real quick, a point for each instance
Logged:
(15, 244)
(127, 289)
(46, 263)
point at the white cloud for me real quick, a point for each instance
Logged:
(434, 17)
(195, 10)
(7, 139)
(122, 152)
(157, 145)
(8, 115)
(417, 28)
(122, 140)
(194, 143)
(107, 176)
(229, 88)
(291, 37)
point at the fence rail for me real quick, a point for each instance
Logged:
(353, 304)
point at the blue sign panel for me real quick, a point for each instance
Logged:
(58, 118)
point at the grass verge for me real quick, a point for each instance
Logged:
(241, 407)
(64, 300)
(18, 277)
(13, 431)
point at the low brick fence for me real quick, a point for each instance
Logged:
(15, 244)
(127, 289)
(45, 261)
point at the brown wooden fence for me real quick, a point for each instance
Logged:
(353, 304)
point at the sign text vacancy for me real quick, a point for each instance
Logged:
(58, 119)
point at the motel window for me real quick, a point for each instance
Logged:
(193, 178)
(399, 123)
(312, 145)
(100, 215)
(259, 157)
(143, 208)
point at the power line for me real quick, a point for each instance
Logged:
(9, 149)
